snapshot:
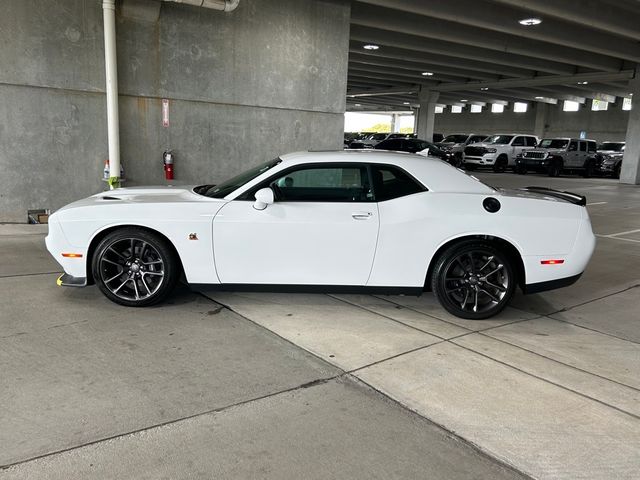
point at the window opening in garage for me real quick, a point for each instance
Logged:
(476, 108)
(497, 108)
(439, 109)
(456, 109)
(520, 107)
(599, 105)
(570, 106)
(626, 104)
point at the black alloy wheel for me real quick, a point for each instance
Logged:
(501, 164)
(473, 280)
(134, 267)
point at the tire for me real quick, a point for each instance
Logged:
(482, 297)
(520, 169)
(134, 267)
(589, 168)
(555, 168)
(501, 164)
(616, 171)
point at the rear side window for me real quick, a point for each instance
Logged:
(518, 142)
(583, 146)
(592, 146)
(391, 182)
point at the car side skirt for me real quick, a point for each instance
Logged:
(551, 284)
(346, 289)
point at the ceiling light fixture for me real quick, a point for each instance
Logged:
(371, 47)
(358, 104)
(464, 100)
(406, 103)
(484, 88)
(539, 98)
(529, 22)
(427, 74)
(583, 83)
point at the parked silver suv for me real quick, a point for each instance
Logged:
(457, 142)
(554, 156)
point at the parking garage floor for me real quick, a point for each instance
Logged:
(223, 385)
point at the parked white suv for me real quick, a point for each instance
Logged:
(498, 151)
(457, 142)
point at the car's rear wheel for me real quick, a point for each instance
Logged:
(473, 280)
(134, 267)
(501, 164)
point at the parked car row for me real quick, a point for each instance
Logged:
(521, 153)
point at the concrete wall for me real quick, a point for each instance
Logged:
(606, 125)
(244, 87)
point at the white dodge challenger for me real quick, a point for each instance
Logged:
(353, 221)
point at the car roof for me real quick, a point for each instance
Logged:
(570, 138)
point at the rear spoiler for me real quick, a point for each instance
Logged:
(568, 196)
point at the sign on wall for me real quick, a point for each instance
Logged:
(165, 112)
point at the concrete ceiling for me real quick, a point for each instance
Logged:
(477, 50)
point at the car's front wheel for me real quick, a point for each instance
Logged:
(473, 280)
(135, 267)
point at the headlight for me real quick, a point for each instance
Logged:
(491, 150)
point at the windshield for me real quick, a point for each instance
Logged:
(612, 146)
(225, 188)
(558, 143)
(455, 139)
(499, 139)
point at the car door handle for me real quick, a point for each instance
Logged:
(362, 215)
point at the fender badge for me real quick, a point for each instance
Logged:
(193, 236)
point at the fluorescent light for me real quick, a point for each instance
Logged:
(358, 104)
(427, 74)
(529, 22)
(464, 100)
(406, 103)
(539, 98)
(583, 83)
(484, 88)
(371, 47)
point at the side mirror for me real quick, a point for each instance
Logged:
(264, 198)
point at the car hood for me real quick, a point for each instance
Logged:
(546, 150)
(150, 194)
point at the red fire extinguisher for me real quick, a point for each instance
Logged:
(167, 159)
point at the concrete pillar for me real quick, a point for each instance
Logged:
(427, 113)
(395, 124)
(630, 172)
(542, 110)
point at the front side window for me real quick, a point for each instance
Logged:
(391, 182)
(531, 141)
(324, 184)
(573, 146)
(592, 146)
(558, 143)
(225, 188)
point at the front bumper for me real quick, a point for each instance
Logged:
(532, 163)
(488, 159)
(66, 280)
(57, 244)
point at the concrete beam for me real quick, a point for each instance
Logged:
(538, 81)
(415, 75)
(476, 15)
(614, 18)
(440, 60)
(391, 77)
(392, 20)
(469, 52)
(382, 92)
(382, 61)
(630, 172)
